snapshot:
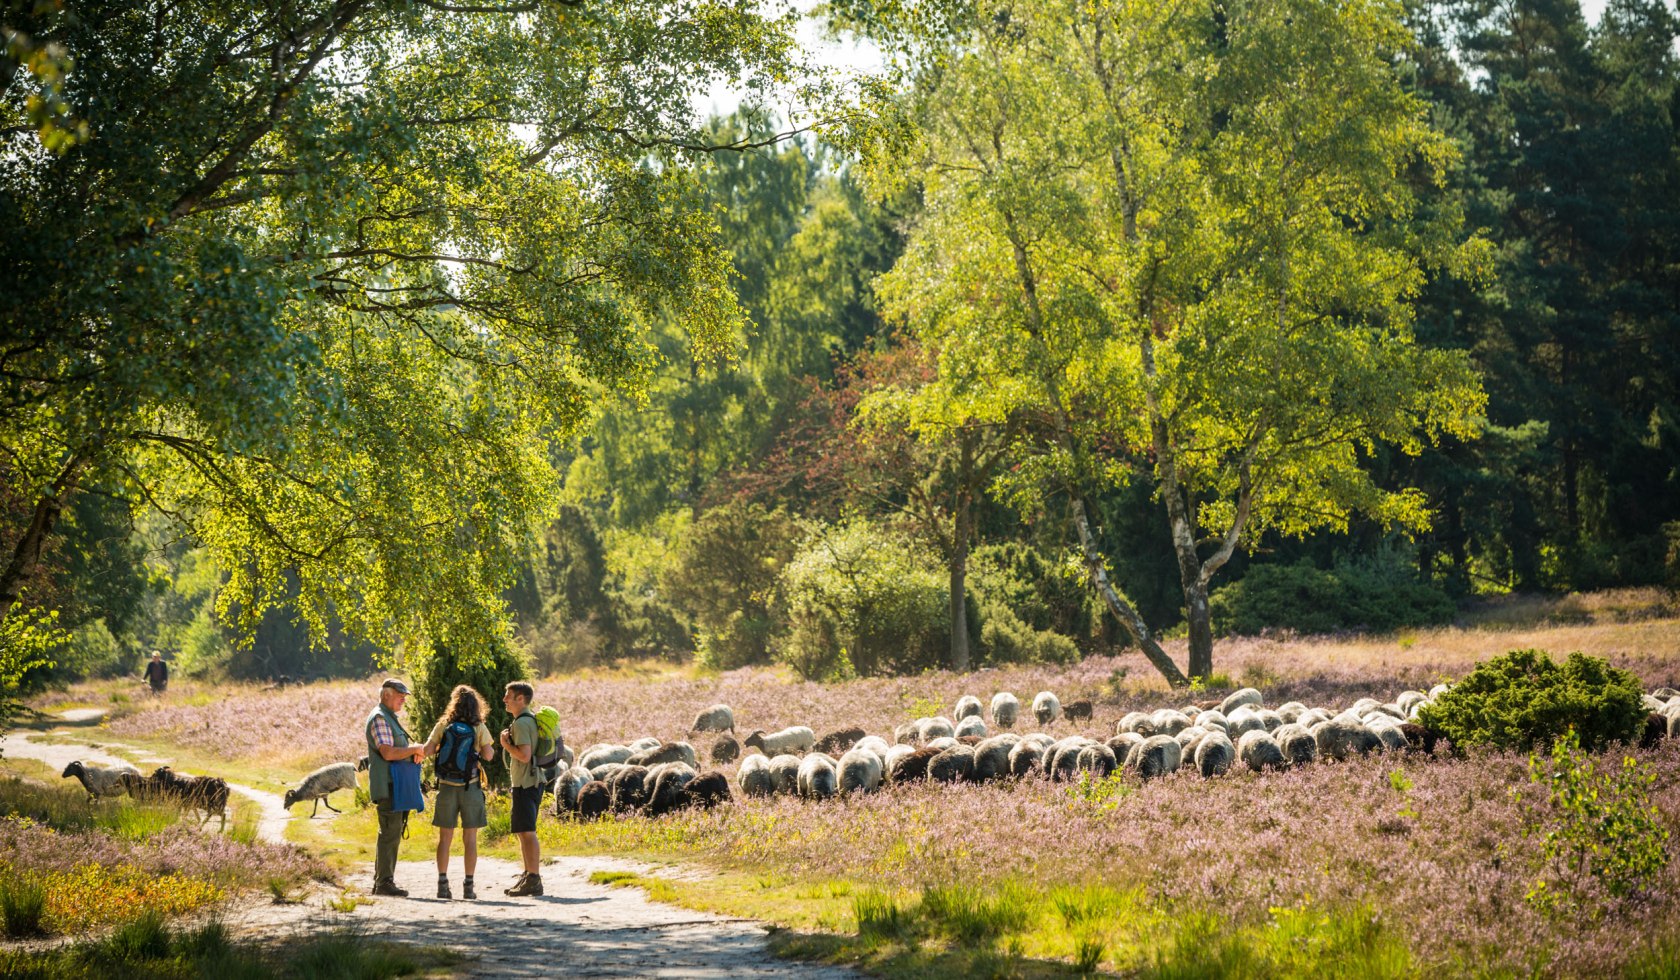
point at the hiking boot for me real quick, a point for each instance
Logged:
(443, 887)
(388, 888)
(518, 883)
(529, 886)
(467, 890)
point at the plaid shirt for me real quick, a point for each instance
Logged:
(382, 732)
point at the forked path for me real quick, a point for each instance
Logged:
(577, 929)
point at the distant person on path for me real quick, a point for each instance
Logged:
(458, 743)
(387, 742)
(519, 741)
(157, 673)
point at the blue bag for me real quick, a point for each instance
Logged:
(405, 786)
(457, 758)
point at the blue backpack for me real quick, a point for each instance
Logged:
(457, 758)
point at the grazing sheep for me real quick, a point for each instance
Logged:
(1388, 731)
(1299, 746)
(567, 787)
(321, 783)
(954, 765)
(1652, 703)
(206, 793)
(1121, 745)
(941, 743)
(645, 744)
(1026, 758)
(1189, 738)
(726, 749)
(717, 718)
(706, 790)
(1061, 760)
(929, 729)
(1166, 722)
(1077, 710)
(860, 771)
(1438, 690)
(600, 755)
(1213, 717)
(1242, 720)
(670, 752)
(1339, 739)
(895, 755)
(1156, 755)
(103, 781)
(1291, 711)
(1666, 693)
(1409, 700)
(973, 725)
(629, 785)
(1046, 707)
(1214, 754)
(785, 742)
(913, 766)
(1311, 717)
(967, 706)
(1259, 750)
(1237, 699)
(1129, 724)
(818, 779)
(668, 790)
(1005, 709)
(905, 734)
(1269, 719)
(1420, 738)
(754, 776)
(838, 742)
(1096, 759)
(594, 799)
(991, 757)
(1656, 728)
(784, 773)
(875, 744)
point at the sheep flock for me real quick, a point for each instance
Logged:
(977, 744)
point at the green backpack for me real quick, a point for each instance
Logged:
(545, 755)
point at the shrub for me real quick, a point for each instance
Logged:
(1381, 594)
(444, 667)
(864, 600)
(1525, 698)
(1601, 824)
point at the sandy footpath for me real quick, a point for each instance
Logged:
(577, 929)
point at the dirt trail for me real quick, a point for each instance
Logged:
(578, 928)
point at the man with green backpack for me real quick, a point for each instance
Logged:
(533, 747)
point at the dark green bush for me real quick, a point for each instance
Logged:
(1373, 596)
(726, 581)
(1525, 698)
(487, 673)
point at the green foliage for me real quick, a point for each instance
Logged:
(1102, 793)
(23, 903)
(1525, 698)
(29, 638)
(1378, 595)
(1598, 824)
(487, 670)
(1045, 592)
(726, 580)
(866, 601)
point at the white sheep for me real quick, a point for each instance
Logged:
(875, 744)
(1409, 700)
(1242, 720)
(1061, 760)
(1046, 707)
(717, 718)
(1237, 699)
(895, 755)
(754, 776)
(928, 729)
(599, 755)
(991, 757)
(789, 740)
(1214, 754)
(1156, 755)
(1291, 711)
(942, 743)
(971, 725)
(107, 781)
(1213, 717)
(1121, 745)
(1259, 750)
(784, 773)
(1299, 746)
(319, 784)
(1096, 759)
(1130, 721)
(967, 705)
(860, 771)
(1166, 721)
(817, 778)
(669, 752)
(646, 743)
(1339, 738)
(1005, 708)
(1026, 757)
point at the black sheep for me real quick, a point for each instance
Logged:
(707, 790)
(1656, 729)
(1077, 710)
(836, 743)
(594, 800)
(1419, 738)
(914, 766)
(206, 793)
(628, 788)
(726, 749)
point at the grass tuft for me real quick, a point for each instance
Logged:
(23, 905)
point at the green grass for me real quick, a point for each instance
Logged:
(148, 948)
(66, 807)
(23, 904)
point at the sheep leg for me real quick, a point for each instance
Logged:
(328, 804)
(315, 809)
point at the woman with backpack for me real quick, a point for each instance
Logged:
(458, 744)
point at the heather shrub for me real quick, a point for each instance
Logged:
(1380, 595)
(1525, 698)
(1598, 824)
(488, 673)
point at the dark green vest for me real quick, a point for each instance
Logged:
(379, 770)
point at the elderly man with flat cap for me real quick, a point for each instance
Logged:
(387, 742)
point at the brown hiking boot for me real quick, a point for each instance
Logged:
(529, 886)
(388, 888)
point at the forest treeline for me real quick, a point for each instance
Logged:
(791, 501)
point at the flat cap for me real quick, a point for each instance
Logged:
(395, 685)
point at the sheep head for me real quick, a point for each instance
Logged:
(73, 769)
(755, 740)
(290, 798)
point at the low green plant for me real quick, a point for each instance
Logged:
(1525, 699)
(244, 829)
(879, 915)
(974, 915)
(23, 904)
(1088, 953)
(924, 708)
(1101, 792)
(1598, 824)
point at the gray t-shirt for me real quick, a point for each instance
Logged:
(523, 774)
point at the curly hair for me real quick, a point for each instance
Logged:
(465, 705)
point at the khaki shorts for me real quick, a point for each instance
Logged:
(459, 804)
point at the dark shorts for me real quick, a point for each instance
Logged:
(526, 800)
